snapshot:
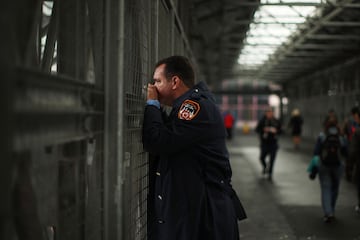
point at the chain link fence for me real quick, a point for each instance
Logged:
(74, 167)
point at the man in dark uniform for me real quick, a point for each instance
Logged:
(268, 129)
(193, 197)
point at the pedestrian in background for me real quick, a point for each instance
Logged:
(268, 129)
(330, 115)
(229, 124)
(193, 196)
(350, 127)
(354, 154)
(295, 124)
(329, 146)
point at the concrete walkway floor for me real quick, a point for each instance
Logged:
(289, 207)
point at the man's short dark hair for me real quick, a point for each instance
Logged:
(178, 66)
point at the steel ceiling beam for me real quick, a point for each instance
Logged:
(297, 4)
(340, 24)
(52, 30)
(334, 37)
(262, 44)
(302, 55)
(331, 47)
(246, 22)
(313, 27)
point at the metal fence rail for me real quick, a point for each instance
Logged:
(136, 74)
(75, 94)
(58, 109)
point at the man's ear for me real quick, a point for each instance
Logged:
(176, 82)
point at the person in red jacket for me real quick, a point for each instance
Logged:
(229, 123)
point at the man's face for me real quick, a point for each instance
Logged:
(163, 86)
(269, 114)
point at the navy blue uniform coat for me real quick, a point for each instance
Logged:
(192, 197)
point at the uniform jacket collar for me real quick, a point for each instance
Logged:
(199, 89)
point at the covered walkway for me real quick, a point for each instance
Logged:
(72, 94)
(289, 207)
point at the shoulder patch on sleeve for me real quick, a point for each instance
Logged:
(188, 110)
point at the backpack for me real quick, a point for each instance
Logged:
(331, 145)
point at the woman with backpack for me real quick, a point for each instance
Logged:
(329, 146)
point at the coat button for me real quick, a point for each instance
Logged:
(157, 173)
(160, 197)
(196, 90)
(161, 221)
(222, 181)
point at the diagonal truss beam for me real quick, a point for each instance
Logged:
(51, 36)
(313, 27)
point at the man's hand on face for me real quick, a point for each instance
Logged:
(152, 93)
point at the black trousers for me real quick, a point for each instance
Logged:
(229, 133)
(265, 150)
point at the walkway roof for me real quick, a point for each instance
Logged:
(272, 40)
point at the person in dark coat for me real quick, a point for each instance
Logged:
(193, 197)
(268, 129)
